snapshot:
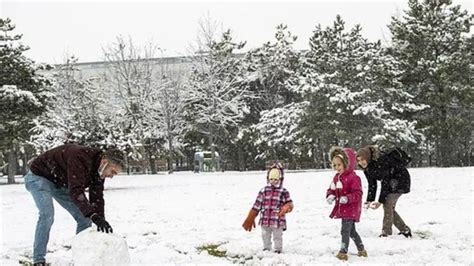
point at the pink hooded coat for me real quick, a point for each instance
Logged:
(347, 184)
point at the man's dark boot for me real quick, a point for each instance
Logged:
(406, 233)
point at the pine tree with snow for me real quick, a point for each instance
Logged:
(270, 72)
(24, 94)
(431, 43)
(280, 131)
(276, 107)
(354, 92)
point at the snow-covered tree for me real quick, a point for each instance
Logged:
(133, 85)
(169, 113)
(270, 74)
(24, 94)
(79, 115)
(271, 71)
(354, 92)
(431, 43)
(280, 130)
(216, 95)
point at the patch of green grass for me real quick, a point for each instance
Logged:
(212, 249)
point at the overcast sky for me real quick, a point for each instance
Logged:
(54, 29)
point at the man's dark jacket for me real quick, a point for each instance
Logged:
(390, 169)
(75, 168)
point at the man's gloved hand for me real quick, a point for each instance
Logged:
(102, 224)
(343, 200)
(330, 199)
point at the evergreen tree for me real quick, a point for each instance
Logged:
(270, 74)
(24, 94)
(280, 132)
(354, 92)
(430, 41)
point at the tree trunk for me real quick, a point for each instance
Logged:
(213, 149)
(241, 160)
(128, 164)
(170, 154)
(178, 162)
(447, 154)
(469, 155)
(11, 165)
(144, 163)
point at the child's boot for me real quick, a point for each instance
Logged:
(362, 253)
(342, 256)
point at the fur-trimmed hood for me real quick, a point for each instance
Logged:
(347, 155)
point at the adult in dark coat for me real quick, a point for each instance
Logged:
(63, 173)
(390, 169)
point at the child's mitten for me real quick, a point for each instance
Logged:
(366, 205)
(285, 209)
(374, 205)
(330, 199)
(249, 222)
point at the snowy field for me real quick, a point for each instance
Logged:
(167, 219)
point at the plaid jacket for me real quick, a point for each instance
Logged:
(269, 201)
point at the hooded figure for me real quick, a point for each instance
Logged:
(387, 167)
(346, 184)
(390, 168)
(273, 202)
(345, 191)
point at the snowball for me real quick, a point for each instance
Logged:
(96, 248)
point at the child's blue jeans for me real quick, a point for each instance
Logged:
(348, 230)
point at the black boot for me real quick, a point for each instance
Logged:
(406, 232)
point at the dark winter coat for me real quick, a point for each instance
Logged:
(347, 184)
(390, 169)
(75, 168)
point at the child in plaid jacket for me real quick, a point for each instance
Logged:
(273, 202)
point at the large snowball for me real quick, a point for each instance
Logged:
(96, 248)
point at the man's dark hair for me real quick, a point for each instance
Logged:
(115, 156)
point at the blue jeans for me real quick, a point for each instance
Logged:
(43, 192)
(348, 230)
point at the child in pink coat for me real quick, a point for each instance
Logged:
(346, 192)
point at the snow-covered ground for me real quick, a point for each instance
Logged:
(166, 218)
